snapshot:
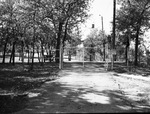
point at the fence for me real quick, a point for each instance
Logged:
(72, 54)
(27, 56)
(86, 54)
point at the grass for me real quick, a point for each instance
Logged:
(19, 78)
(139, 70)
(17, 81)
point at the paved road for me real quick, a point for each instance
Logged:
(87, 90)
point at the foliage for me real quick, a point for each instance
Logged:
(40, 24)
(133, 19)
(95, 42)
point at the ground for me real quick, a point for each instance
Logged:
(89, 89)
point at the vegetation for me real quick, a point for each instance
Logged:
(132, 22)
(95, 44)
(39, 26)
(34, 31)
(40, 29)
(16, 83)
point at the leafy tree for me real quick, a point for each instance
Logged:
(34, 25)
(72, 41)
(65, 13)
(95, 42)
(9, 26)
(133, 16)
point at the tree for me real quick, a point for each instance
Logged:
(32, 14)
(65, 13)
(9, 33)
(72, 41)
(39, 25)
(95, 42)
(133, 16)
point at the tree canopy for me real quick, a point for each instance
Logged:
(132, 21)
(40, 24)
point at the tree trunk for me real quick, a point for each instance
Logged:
(38, 54)
(19, 56)
(136, 47)
(14, 44)
(64, 38)
(140, 54)
(34, 30)
(90, 57)
(42, 51)
(22, 53)
(50, 54)
(126, 54)
(104, 50)
(32, 64)
(58, 43)
(28, 54)
(47, 51)
(92, 53)
(69, 56)
(127, 49)
(11, 56)
(4, 51)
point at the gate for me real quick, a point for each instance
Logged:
(87, 54)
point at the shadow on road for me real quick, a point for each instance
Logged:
(70, 94)
(59, 98)
(17, 81)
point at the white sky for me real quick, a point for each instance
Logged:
(103, 8)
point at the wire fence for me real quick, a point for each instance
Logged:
(72, 54)
(85, 54)
(27, 56)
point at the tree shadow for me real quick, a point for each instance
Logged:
(10, 104)
(59, 97)
(16, 81)
(63, 98)
(86, 67)
(15, 76)
(139, 70)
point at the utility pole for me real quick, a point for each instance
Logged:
(102, 23)
(114, 34)
(103, 38)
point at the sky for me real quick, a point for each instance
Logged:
(99, 8)
(105, 9)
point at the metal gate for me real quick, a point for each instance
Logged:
(87, 54)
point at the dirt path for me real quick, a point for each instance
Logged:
(89, 90)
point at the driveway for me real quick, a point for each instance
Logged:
(90, 90)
